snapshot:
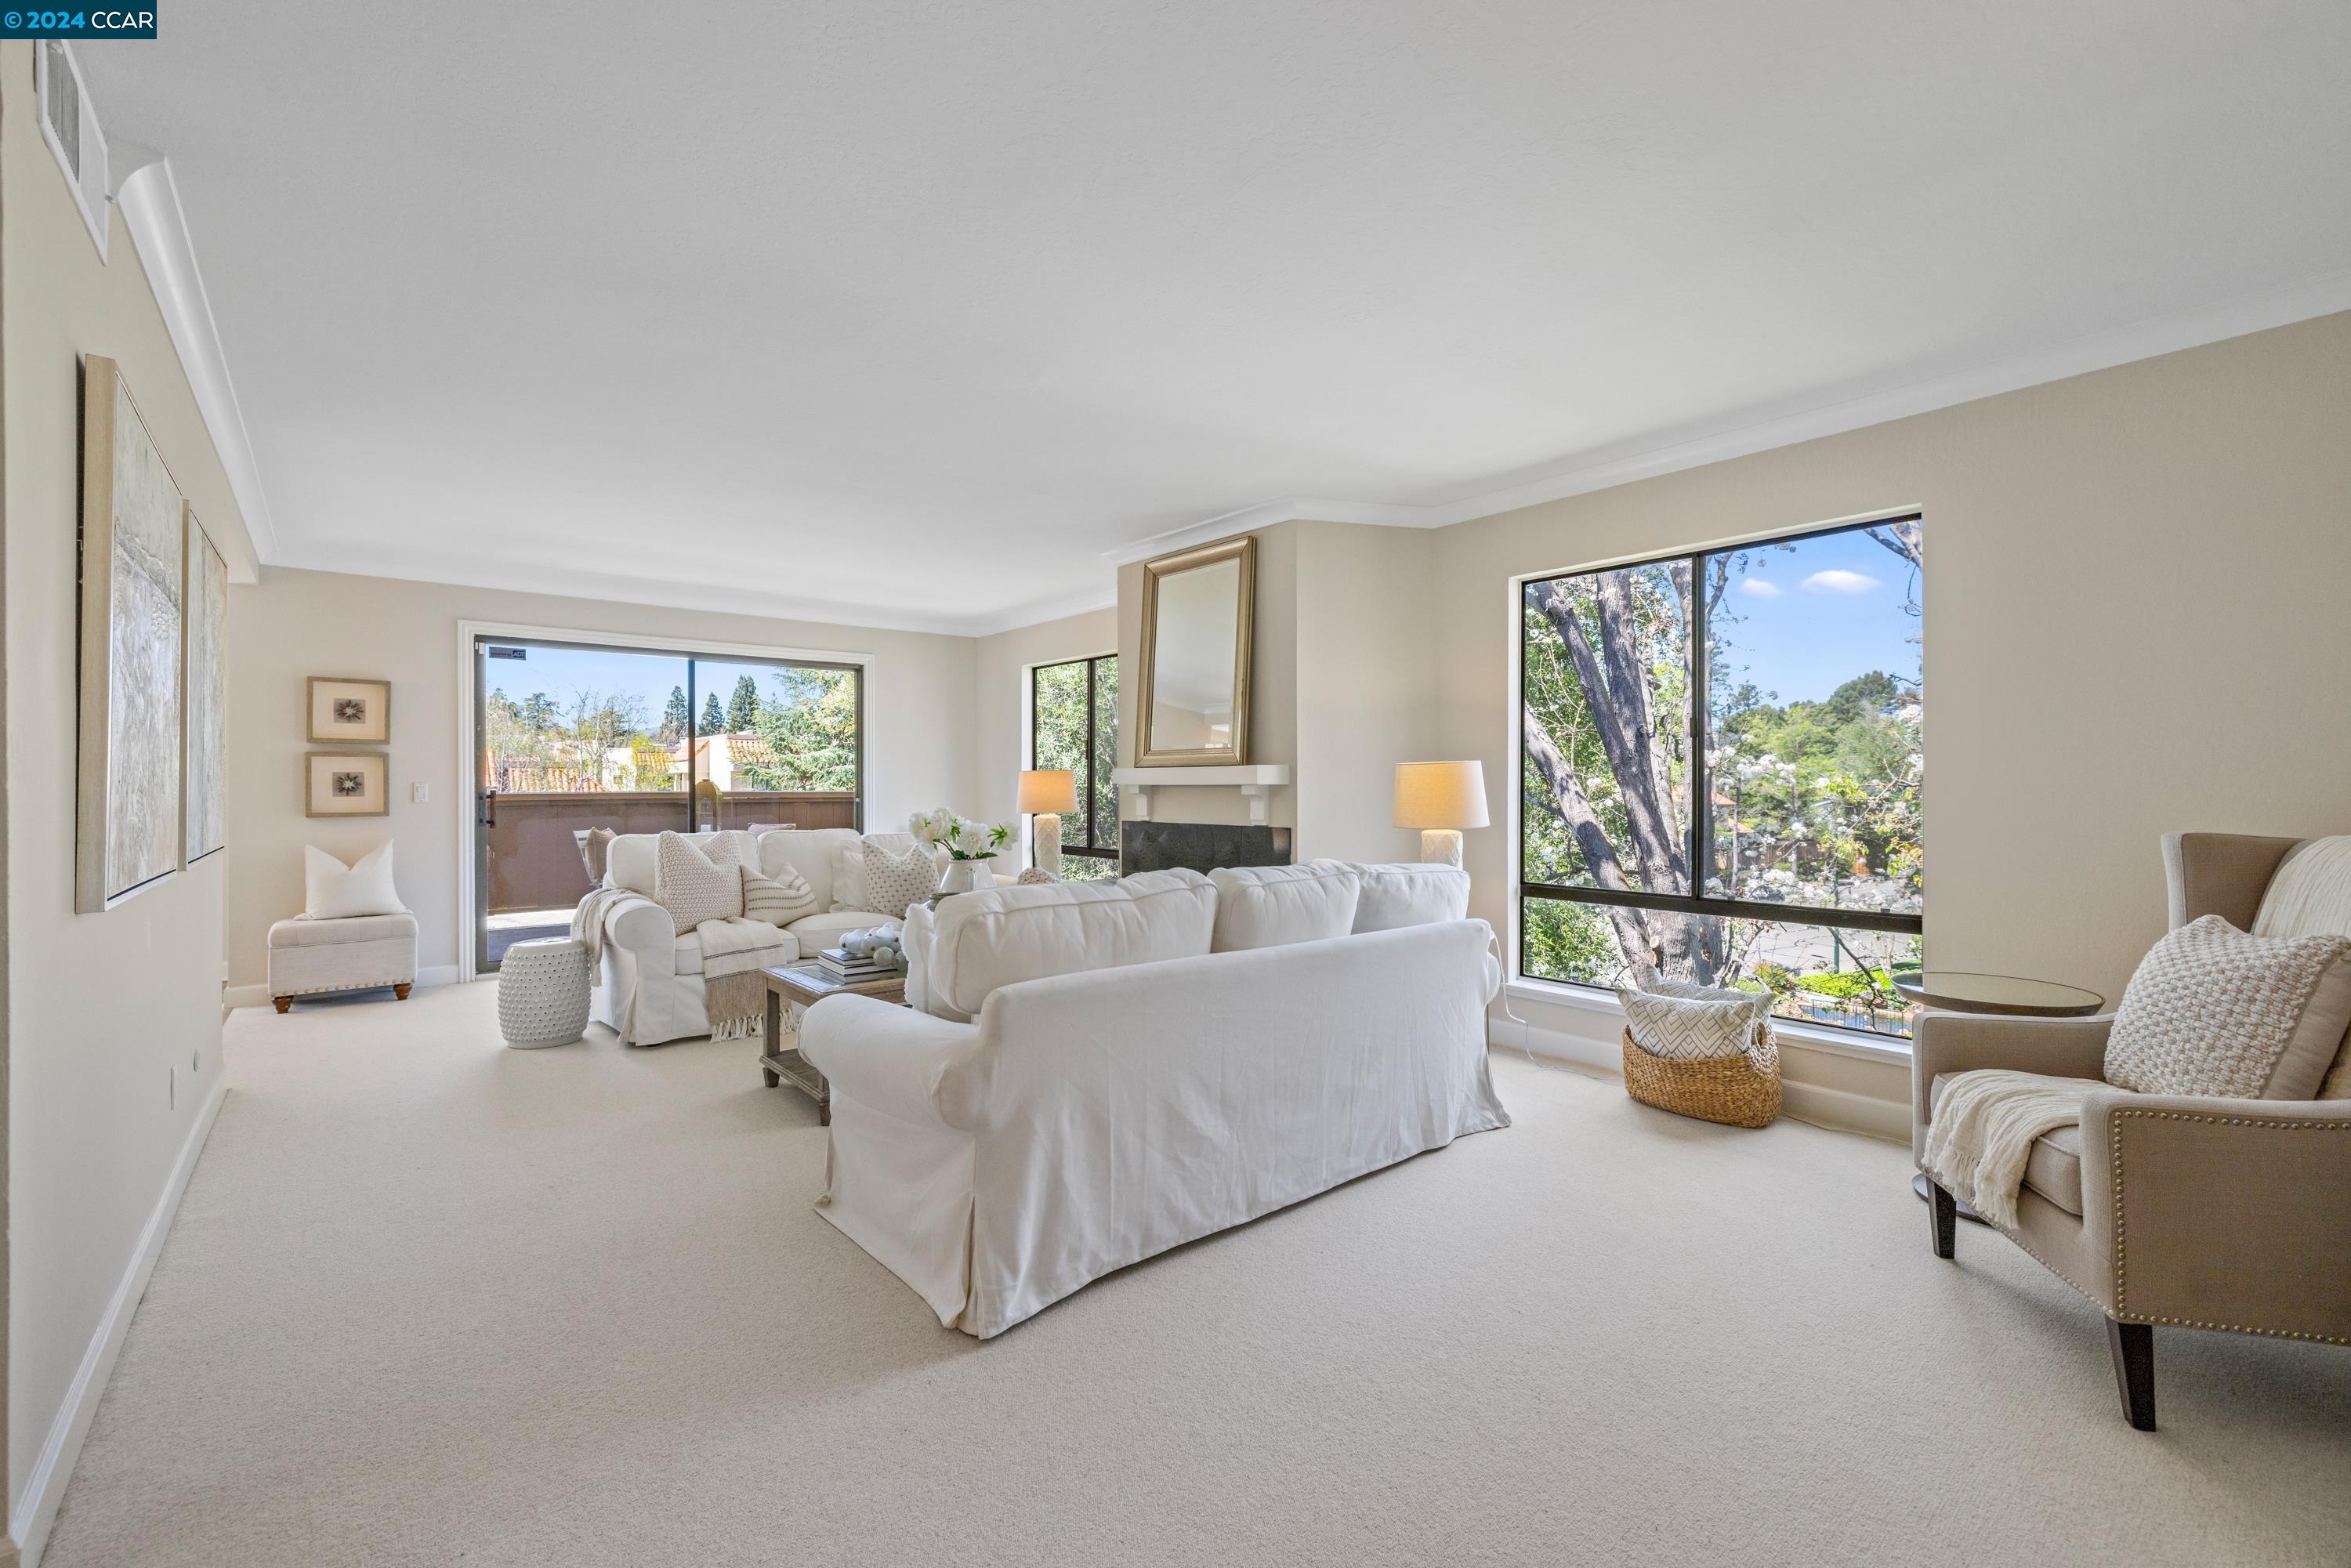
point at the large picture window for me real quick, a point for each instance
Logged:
(1720, 771)
(1073, 723)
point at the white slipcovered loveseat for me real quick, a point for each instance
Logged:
(1093, 1074)
(649, 985)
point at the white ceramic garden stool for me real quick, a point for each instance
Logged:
(543, 993)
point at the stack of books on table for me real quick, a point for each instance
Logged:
(839, 964)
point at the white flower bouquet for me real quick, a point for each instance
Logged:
(963, 840)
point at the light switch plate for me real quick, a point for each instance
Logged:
(420, 794)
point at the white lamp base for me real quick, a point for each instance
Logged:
(1045, 842)
(1440, 846)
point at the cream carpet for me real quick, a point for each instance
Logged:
(431, 1301)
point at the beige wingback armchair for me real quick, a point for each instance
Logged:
(2184, 1211)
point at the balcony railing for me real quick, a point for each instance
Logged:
(533, 850)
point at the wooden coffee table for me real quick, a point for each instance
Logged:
(800, 987)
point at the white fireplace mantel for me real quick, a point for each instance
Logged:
(1255, 782)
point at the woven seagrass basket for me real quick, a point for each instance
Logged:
(1736, 1090)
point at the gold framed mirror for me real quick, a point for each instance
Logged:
(1199, 607)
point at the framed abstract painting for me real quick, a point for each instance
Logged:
(204, 679)
(127, 827)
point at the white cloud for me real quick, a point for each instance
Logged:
(1758, 588)
(1836, 580)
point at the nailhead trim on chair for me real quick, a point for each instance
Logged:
(2114, 1163)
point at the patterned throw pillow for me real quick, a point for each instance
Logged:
(696, 885)
(2212, 1010)
(897, 879)
(778, 901)
(1688, 1028)
(1035, 876)
(1760, 1001)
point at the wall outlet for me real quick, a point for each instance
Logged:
(420, 794)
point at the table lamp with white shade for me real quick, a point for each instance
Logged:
(1046, 793)
(1440, 798)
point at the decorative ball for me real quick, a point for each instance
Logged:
(885, 954)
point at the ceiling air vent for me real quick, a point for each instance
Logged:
(69, 125)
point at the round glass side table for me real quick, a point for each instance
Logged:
(1961, 991)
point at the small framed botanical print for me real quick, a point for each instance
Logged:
(345, 784)
(356, 713)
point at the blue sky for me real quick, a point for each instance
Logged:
(560, 671)
(1811, 617)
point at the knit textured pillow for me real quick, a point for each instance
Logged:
(694, 884)
(1691, 1028)
(2212, 1010)
(778, 901)
(1035, 876)
(896, 879)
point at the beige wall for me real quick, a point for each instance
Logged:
(1000, 668)
(2133, 624)
(920, 729)
(1366, 683)
(113, 1019)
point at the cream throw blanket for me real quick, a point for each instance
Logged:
(1983, 1130)
(588, 920)
(733, 951)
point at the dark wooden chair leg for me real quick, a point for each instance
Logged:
(1943, 1216)
(400, 991)
(2133, 1345)
(282, 1003)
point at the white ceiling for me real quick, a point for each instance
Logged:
(900, 313)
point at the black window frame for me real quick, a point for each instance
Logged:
(1700, 833)
(1092, 849)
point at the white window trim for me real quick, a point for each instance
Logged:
(1816, 1036)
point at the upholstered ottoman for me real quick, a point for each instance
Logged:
(543, 993)
(358, 954)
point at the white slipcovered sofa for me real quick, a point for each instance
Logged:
(649, 985)
(1092, 1073)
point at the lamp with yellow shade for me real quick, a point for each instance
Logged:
(1440, 798)
(1045, 794)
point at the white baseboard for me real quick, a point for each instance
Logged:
(1842, 1110)
(259, 997)
(1839, 1109)
(44, 1487)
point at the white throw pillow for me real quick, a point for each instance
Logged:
(1275, 905)
(849, 875)
(2214, 1011)
(1701, 1027)
(976, 942)
(896, 879)
(696, 884)
(333, 891)
(777, 900)
(1408, 892)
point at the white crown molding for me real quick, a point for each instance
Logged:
(1045, 610)
(150, 200)
(556, 580)
(1754, 429)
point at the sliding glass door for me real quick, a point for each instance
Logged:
(574, 736)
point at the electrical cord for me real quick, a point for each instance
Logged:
(1494, 945)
